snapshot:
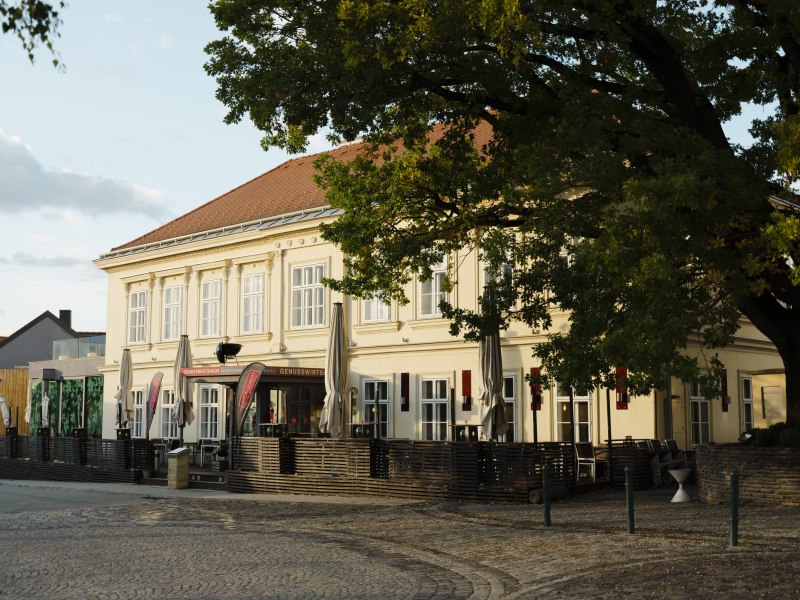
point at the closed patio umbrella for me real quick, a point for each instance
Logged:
(123, 394)
(492, 378)
(5, 411)
(45, 410)
(182, 409)
(335, 375)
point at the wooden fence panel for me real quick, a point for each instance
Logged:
(71, 459)
(399, 468)
(14, 388)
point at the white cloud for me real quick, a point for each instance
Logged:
(25, 259)
(26, 185)
(113, 19)
(165, 41)
(135, 48)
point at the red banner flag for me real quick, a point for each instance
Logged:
(246, 389)
(152, 399)
(536, 388)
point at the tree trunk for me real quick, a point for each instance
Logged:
(781, 325)
(791, 366)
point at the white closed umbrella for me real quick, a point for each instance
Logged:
(335, 375)
(45, 409)
(182, 410)
(5, 411)
(123, 395)
(492, 378)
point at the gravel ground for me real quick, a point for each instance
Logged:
(168, 545)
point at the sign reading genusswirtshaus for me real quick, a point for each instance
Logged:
(230, 370)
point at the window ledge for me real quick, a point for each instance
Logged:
(377, 326)
(312, 331)
(429, 322)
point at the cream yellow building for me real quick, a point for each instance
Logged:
(246, 268)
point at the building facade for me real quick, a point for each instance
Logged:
(247, 268)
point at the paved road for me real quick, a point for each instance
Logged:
(123, 541)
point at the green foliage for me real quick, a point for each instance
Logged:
(581, 142)
(34, 22)
(94, 406)
(71, 403)
(777, 435)
(790, 437)
(766, 438)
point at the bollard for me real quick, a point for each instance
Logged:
(546, 493)
(734, 520)
(629, 497)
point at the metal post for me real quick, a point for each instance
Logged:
(608, 418)
(734, 519)
(546, 492)
(629, 497)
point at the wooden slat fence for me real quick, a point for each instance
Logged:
(626, 455)
(71, 459)
(482, 471)
(14, 388)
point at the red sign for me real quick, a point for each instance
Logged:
(621, 376)
(536, 388)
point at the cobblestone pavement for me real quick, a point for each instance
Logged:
(172, 546)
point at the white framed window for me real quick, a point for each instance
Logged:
(308, 296)
(699, 414)
(503, 277)
(169, 426)
(210, 425)
(375, 310)
(431, 291)
(139, 414)
(137, 317)
(376, 391)
(582, 404)
(435, 408)
(253, 303)
(210, 308)
(173, 312)
(510, 396)
(748, 417)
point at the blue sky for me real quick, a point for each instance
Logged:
(128, 137)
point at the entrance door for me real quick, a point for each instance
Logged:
(294, 405)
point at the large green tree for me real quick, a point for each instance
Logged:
(34, 22)
(608, 181)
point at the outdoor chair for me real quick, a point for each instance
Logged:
(207, 448)
(661, 461)
(586, 460)
(678, 455)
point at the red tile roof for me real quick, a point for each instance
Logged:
(287, 188)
